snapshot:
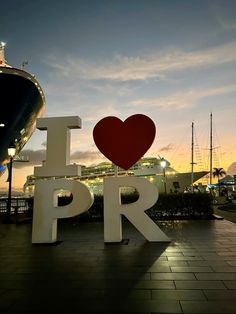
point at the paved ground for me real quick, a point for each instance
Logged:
(195, 273)
(226, 214)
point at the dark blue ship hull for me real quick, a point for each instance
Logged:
(21, 103)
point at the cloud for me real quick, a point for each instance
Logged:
(167, 148)
(183, 99)
(225, 14)
(232, 169)
(87, 157)
(229, 25)
(35, 158)
(123, 68)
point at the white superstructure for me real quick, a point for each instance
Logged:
(3, 62)
(148, 168)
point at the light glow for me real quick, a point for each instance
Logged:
(11, 151)
(163, 163)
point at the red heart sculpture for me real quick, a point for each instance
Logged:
(124, 143)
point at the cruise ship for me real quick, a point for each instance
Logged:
(22, 102)
(169, 180)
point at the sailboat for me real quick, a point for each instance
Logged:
(211, 148)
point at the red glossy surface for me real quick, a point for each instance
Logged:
(124, 143)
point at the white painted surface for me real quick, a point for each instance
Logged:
(57, 161)
(46, 210)
(135, 212)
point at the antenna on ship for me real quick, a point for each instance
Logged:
(2, 53)
(23, 64)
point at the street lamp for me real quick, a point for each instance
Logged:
(11, 152)
(163, 164)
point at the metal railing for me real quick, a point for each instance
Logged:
(18, 205)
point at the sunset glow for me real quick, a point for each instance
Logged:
(173, 61)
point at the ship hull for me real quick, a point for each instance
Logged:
(177, 182)
(22, 102)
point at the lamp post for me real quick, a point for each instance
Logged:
(11, 153)
(163, 165)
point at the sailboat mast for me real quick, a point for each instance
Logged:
(192, 157)
(211, 148)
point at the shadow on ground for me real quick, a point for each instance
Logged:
(79, 274)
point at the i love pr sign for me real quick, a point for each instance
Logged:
(124, 143)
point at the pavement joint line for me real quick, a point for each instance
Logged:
(118, 260)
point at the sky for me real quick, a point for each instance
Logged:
(172, 60)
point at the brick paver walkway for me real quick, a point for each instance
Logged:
(195, 273)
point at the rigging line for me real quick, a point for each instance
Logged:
(216, 159)
(198, 152)
(178, 148)
(217, 141)
(203, 138)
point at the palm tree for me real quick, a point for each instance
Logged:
(218, 172)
